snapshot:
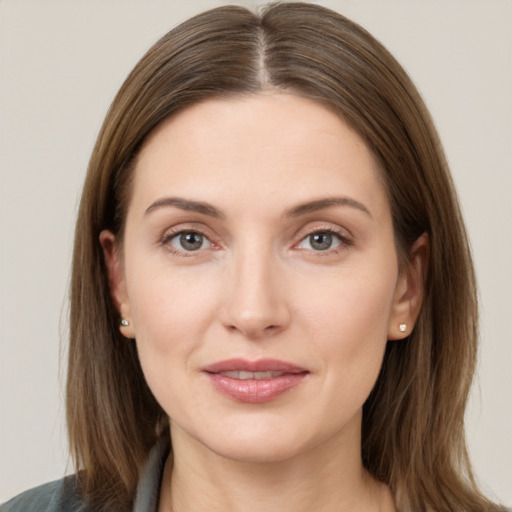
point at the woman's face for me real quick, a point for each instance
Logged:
(259, 275)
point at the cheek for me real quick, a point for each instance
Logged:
(349, 325)
(170, 313)
(353, 305)
(171, 309)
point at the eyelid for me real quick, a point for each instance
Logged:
(344, 236)
(205, 241)
(324, 227)
(179, 229)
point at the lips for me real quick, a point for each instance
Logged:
(241, 375)
(254, 381)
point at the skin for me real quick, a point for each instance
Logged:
(258, 287)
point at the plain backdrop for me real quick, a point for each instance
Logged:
(61, 63)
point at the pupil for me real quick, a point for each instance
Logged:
(191, 241)
(321, 241)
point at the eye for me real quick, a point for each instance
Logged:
(321, 241)
(189, 241)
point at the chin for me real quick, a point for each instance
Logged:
(265, 441)
(257, 451)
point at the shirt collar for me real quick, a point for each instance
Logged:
(150, 481)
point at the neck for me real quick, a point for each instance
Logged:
(197, 479)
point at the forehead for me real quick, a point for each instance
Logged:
(262, 146)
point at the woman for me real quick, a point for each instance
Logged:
(271, 282)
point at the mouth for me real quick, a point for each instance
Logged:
(254, 381)
(242, 375)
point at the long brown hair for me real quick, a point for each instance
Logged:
(413, 432)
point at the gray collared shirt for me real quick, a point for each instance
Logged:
(61, 496)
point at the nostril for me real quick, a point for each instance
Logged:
(254, 330)
(254, 315)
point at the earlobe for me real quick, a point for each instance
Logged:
(410, 290)
(116, 281)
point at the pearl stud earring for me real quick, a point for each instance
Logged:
(402, 327)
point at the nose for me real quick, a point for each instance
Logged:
(254, 302)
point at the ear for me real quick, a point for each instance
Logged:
(116, 281)
(410, 290)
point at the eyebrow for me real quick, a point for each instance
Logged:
(320, 204)
(296, 211)
(187, 205)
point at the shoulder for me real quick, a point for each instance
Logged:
(58, 496)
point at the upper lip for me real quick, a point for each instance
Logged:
(260, 365)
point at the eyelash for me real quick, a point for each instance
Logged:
(344, 241)
(168, 237)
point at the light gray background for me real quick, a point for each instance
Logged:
(61, 64)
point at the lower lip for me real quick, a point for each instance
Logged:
(255, 391)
